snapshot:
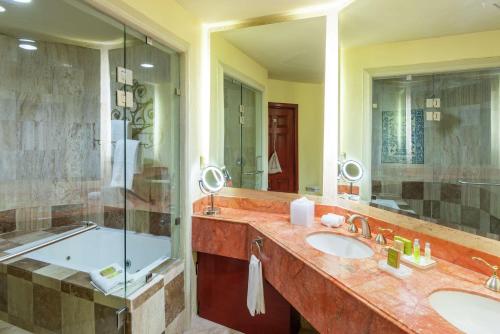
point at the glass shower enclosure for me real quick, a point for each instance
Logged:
(89, 167)
(435, 151)
(242, 134)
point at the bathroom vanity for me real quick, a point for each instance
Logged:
(335, 294)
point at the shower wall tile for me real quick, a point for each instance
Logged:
(7, 221)
(159, 223)
(494, 225)
(49, 109)
(484, 199)
(413, 190)
(470, 217)
(451, 193)
(71, 214)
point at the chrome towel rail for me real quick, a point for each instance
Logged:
(86, 227)
(494, 184)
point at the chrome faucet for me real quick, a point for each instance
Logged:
(492, 283)
(365, 227)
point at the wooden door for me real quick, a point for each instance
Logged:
(283, 135)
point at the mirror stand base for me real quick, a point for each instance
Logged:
(211, 211)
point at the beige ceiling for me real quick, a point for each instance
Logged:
(65, 21)
(292, 51)
(367, 22)
(210, 11)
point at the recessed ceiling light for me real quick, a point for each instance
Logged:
(22, 1)
(29, 47)
(26, 40)
(146, 65)
(2, 9)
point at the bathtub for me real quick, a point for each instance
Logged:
(103, 246)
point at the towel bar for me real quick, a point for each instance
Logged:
(259, 242)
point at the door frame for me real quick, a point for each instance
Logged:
(295, 111)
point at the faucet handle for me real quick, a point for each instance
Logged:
(380, 238)
(492, 283)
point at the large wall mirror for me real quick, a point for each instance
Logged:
(267, 93)
(420, 108)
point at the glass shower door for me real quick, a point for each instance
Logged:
(242, 134)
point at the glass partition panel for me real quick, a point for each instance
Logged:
(435, 148)
(153, 196)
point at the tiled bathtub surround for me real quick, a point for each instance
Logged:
(336, 295)
(45, 298)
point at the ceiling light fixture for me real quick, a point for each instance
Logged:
(25, 40)
(29, 47)
(147, 65)
(2, 9)
(22, 1)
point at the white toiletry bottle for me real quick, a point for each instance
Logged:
(427, 251)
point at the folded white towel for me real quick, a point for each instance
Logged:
(255, 293)
(132, 162)
(108, 278)
(332, 220)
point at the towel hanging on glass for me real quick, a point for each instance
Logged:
(274, 162)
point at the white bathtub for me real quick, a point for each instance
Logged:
(101, 247)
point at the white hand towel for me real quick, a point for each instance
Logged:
(106, 283)
(118, 177)
(119, 130)
(332, 220)
(255, 293)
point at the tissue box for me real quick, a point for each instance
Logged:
(302, 212)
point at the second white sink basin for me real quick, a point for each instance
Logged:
(339, 245)
(468, 312)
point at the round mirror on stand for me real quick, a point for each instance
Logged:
(212, 180)
(352, 172)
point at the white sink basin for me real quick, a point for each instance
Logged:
(468, 312)
(339, 245)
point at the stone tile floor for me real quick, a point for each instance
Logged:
(198, 326)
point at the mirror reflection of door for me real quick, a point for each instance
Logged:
(283, 138)
(241, 153)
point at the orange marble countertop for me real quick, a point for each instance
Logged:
(402, 301)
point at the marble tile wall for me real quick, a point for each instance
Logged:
(49, 110)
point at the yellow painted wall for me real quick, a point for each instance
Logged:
(310, 99)
(450, 52)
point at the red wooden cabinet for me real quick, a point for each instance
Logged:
(222, 292)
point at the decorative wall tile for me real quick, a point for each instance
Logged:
(47, 308)
(174, 298)
(20, 302)
(77, 315)
(494, 225)
(394, 139)
(105, 320)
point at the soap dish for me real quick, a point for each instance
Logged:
(423, 264)
(402, 272)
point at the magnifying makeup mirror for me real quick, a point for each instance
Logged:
(352, 172)
(212, 180)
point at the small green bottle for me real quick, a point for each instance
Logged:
(416, 250)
